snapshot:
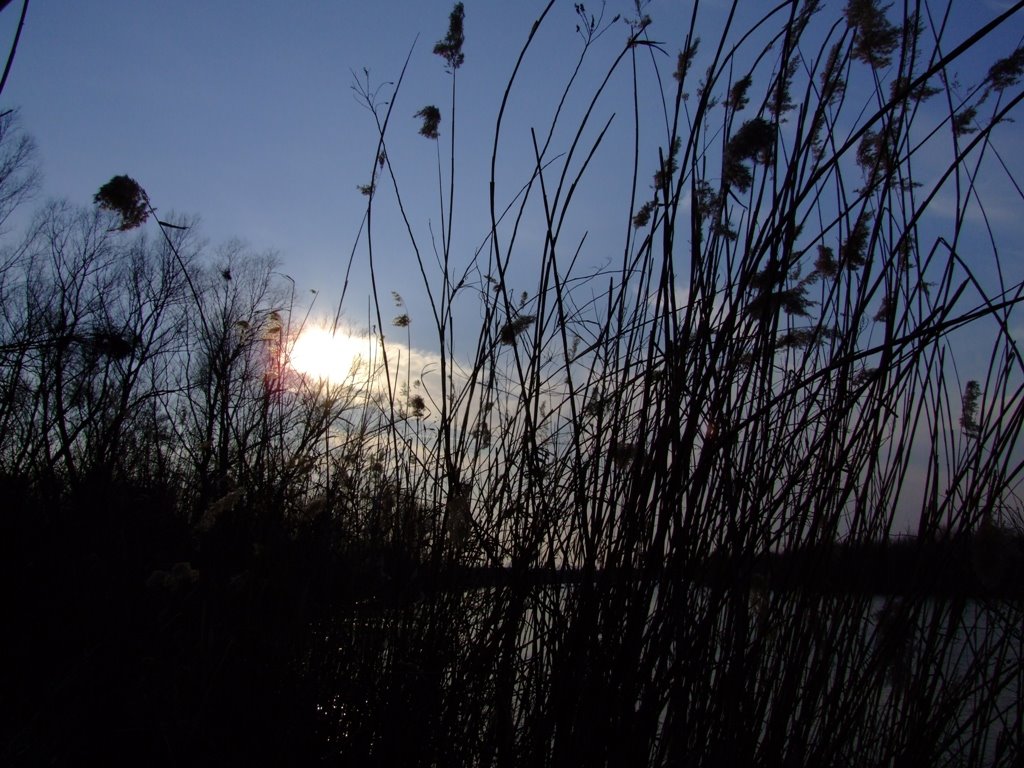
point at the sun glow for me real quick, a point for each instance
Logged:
(337, 358)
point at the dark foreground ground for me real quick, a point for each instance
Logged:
(130, 639)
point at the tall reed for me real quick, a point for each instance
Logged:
(784, 357)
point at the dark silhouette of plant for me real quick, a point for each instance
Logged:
(14, 43)
(19, 174)
(514, 328)
(1007, 72)
(123, 195)
(875, 37)
(749, 377)
(969, 412)
(431, 117)
(754, 141)
(641, 515)
(450, 48)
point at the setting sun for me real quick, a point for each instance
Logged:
(338, 358)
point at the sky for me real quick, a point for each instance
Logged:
(247, 118)
(245, 115)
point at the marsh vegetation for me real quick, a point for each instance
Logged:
(594, 532)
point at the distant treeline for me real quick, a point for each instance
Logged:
(986, 562)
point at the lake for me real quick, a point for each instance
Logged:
(671, 674)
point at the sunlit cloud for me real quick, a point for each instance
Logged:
(360, 363)
(334, 357)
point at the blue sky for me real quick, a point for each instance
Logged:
(244, 114)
